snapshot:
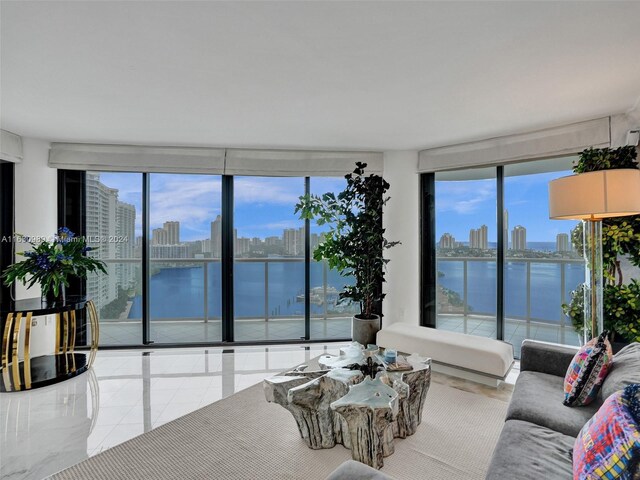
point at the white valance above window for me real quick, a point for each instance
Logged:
(550, 142)
(10, 147)
(132, 158)
(215, 161)
(299, 163)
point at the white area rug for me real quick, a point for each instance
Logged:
(244, 437)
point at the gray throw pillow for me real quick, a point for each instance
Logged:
(624, 370)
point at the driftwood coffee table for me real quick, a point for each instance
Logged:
(355, 400)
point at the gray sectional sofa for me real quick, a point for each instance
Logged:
(539, 431)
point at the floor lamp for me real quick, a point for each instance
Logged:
(590, 197)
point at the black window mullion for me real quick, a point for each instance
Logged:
(307, 268)
(428, 265)
(500, 253)
(7, 220)
(146, 318)
(227, 258)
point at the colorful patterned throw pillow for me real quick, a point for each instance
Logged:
(587, 371)
(632, 395)
(608, 446)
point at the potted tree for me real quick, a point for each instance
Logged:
(620, 239)
(355, 243)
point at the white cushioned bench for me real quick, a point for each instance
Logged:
(475, 358)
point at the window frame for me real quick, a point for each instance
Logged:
(72, 199)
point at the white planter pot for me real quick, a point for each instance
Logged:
(364, 331)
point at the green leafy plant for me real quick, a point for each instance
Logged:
(355, 242)
(51, 263)
(596, 159)
(620, 237)
(622, 303)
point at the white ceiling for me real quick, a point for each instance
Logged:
(384, 75)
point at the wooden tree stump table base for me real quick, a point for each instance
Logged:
(338, 404)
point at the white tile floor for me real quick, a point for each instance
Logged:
(126, 394)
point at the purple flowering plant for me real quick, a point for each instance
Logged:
(52, 262)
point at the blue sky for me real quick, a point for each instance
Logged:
(264, 206)
(462, 205)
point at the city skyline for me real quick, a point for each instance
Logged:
(165, 242)
(264, 206)
(478, 239)
(463, 204)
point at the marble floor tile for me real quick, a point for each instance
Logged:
(125, 394)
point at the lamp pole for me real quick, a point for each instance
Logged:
(592, 249)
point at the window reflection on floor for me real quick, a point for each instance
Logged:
(125, 394)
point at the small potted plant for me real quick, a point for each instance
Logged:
(51, 263)
(355, 243)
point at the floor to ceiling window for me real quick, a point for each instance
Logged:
(524, 298)
(541, 265)
(113, 216)
(330, 318)
(466, 239)
(227, 258)
(269, 259)
(184, 258)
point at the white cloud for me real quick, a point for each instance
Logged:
(464, 198)
(191, 200)
(276, 226)
(267, 190)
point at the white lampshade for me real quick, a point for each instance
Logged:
(595, 195)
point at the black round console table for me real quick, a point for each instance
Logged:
(28, 373)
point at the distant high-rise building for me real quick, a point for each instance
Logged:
(195, 247)
(243, 245)
(505, 229)
(159, 237)
(562, 243)
(107, 217)
(170, 251)
(168, 234)
(300, 242)
(289, 241)
(479, 238)
(447, 241)
(273, 241)
(173, 232)
(206, 245)
(216, 237)
(125, 248)
(519, 238)
(315, 241)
